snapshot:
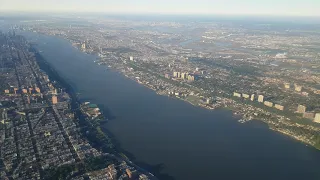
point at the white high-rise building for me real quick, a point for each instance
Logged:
(83, 46)
(301, 109)
(54, 99)
(260, 98)
(252, 97)
(317, 118)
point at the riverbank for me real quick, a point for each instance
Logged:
(249, 111)
(99, 139)
(75, 102)
(172, 135)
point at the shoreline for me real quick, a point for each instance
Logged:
(243, 118)
(232, 109)
(80, 118)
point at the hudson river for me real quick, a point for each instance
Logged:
(174, 139)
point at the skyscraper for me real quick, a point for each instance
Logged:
(260, 98)
(317, 118)
(269, 104)
(252, 97)
(236, 94)
(191, 77)
(246, 96)
(175, 74)
(287, 85)
(15, 90)
(183, 76)
(28, 99)
(279, 107)
(83, 46)
(54, 99)
(129, 173)
(38, 90)
(297, 88)
(308, 115)
(301, 109)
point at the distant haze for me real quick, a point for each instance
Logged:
(228, 7)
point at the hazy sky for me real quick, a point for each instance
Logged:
(262, 7)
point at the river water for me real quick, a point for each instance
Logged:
(174, 139)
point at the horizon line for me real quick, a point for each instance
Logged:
(53, 12)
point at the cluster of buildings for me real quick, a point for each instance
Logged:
(38, 129)
(156, 55)
(301, 108)
(309, 115)
(91, 110)
(111, 172)
(184, 76)
(260, 100)
(297, 87)
(30, 90)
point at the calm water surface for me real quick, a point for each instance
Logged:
(181, 140)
